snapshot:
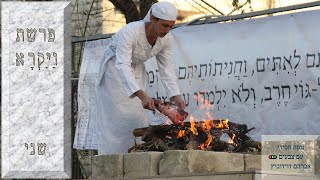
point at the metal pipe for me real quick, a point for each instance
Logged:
(90, 38)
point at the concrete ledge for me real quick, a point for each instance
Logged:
(268, 176)
(107, 166)
(185, 165)
(252, 162)
(196, 162)
(226, 176)
(144, 164)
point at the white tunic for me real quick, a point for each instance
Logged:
(122, 73)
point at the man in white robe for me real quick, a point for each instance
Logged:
(121, 89)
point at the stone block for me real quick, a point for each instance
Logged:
(252, 162)
(142, 164)
(107, 166)
(196, 162)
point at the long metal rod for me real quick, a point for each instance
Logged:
(90, 38)
(209, 19)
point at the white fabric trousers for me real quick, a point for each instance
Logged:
(117, 114)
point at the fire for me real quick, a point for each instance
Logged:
(207, 123)
(231, 140)
(181, 133)
(223, 124)
(208, 141)
(206, 127)
(193, 126)
(201, 147)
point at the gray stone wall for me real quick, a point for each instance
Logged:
(172, 163)
(186, 165)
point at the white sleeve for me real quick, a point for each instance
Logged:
(167, 69)
(124, 60)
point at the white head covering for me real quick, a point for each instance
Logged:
(162, 10)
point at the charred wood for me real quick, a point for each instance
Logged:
(195, 136)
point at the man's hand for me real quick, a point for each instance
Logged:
(177, 100)
(147, 102)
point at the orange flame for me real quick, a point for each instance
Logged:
(231, 140)
(201, 147)
(207, 125)
(208, 141)
(223, 124)
(193, 126)
(226, 124)
(181, 133)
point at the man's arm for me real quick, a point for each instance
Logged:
(123, 61)
(168, 75)
(147, 101)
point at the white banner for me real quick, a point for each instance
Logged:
(85, 136)
(262, 72)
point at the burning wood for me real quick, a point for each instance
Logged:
(205, 135)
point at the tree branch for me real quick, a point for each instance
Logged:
(128, 8)
(145, 6)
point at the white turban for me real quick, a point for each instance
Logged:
(162, 10)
